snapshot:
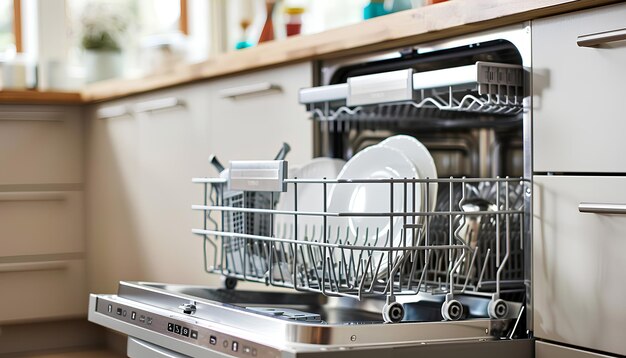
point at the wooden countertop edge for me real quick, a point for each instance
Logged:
(410, 27)
(40, 97)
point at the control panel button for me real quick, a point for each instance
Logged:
(133, 315)
(246, 350)
(148, 320)
(235, 346)
(119, 311)
(124, 313)
(110, 308)
(225, 343)
(170, 327)
(194, 334)
(185, 332)
(254, 352)
(213, 340)
(177, 329)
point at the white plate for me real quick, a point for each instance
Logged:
(310, 198)
(376, 162)
(421, 158)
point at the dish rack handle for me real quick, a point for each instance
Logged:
(258, 175)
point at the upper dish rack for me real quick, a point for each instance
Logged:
(483, 87)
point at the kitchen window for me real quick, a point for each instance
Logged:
(147, 24)
(10, 27)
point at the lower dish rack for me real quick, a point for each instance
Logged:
(470, 243)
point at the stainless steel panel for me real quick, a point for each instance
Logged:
(578, 113)
(579, 263)
(548, 350)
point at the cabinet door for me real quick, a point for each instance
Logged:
(39, 223)
(578, 118)
(139, 188)
(42, 290)
(578, 261)
(40, 145)
(253, 114)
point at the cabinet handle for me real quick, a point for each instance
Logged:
(158, 105)
(600, 38)
(33, 266)
(32, 196)
(602, 208)
(112, 112)
(250, 90)
(30, 117)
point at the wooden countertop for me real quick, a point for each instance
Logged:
(39, 97)
(410, 27)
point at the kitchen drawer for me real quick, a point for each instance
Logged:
(548, 350)
(253, 114)
(578, 118)
(37, 223)
(42, 290)
(579, 262)
(40, 145)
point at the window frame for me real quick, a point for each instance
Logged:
(183, 22)
(17, 25)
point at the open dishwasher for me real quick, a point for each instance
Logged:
(445, 269)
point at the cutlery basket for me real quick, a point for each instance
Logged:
(469, 243)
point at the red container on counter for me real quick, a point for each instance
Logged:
(293, 24)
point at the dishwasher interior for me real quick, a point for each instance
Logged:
(438, 263)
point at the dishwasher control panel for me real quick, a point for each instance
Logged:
(187, 329)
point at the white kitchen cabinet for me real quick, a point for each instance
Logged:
(41, 223)
(253, 114)
(578, 93)
(139, 190)
(42, 271)
(40, 145)
(578, 261)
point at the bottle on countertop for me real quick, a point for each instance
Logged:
(374, 9)
(294, 20)
(267, 34)
(243, 43)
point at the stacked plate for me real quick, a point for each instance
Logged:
(397, 157)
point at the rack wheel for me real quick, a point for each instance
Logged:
(229, 283)
(393, 312)
(452, 310)
(497, 308)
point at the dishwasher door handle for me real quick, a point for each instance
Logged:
(601, 38)
(602, 208)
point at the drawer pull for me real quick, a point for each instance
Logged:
(250, 90)
(112, 112)
(158, 105)
(33, 266)
(600, 38)
(32, 196)
(602, 208)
